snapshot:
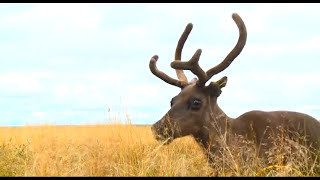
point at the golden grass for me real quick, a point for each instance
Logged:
(106, 150)
(97, 150)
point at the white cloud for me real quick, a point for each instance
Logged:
(19, 82)
(185, 10)
(142, 94)
(88, 90)
(91, 88)
(38, 114)
(309, 44)
(55, 17)
(302, 46)
(133, 37)
(312, 108)
(292, 84)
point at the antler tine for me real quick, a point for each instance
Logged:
(235, 51)
(162, 75)
(192, 65)
(182, 40)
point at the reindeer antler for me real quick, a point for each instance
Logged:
(235, 51)
(181, 76)
(162, 75)
(193, 64)
(182, 40)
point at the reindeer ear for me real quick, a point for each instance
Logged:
(213, 89)
(222, 82)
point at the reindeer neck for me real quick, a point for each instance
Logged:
(216, 114)
(216, 124)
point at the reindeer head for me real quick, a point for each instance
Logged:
(191, 105)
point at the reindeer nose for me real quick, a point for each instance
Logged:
(153, 129)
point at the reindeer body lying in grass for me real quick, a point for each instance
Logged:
(194, 111)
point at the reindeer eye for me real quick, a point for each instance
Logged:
(171, 102)
(196, 104)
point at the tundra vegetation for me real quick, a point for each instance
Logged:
(127, 150)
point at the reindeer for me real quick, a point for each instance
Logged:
(194, 111)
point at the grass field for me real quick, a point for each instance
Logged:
(112, 150)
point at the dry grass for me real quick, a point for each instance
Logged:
(114, 150)
(100, 150)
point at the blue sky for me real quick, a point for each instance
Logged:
(89, 63)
